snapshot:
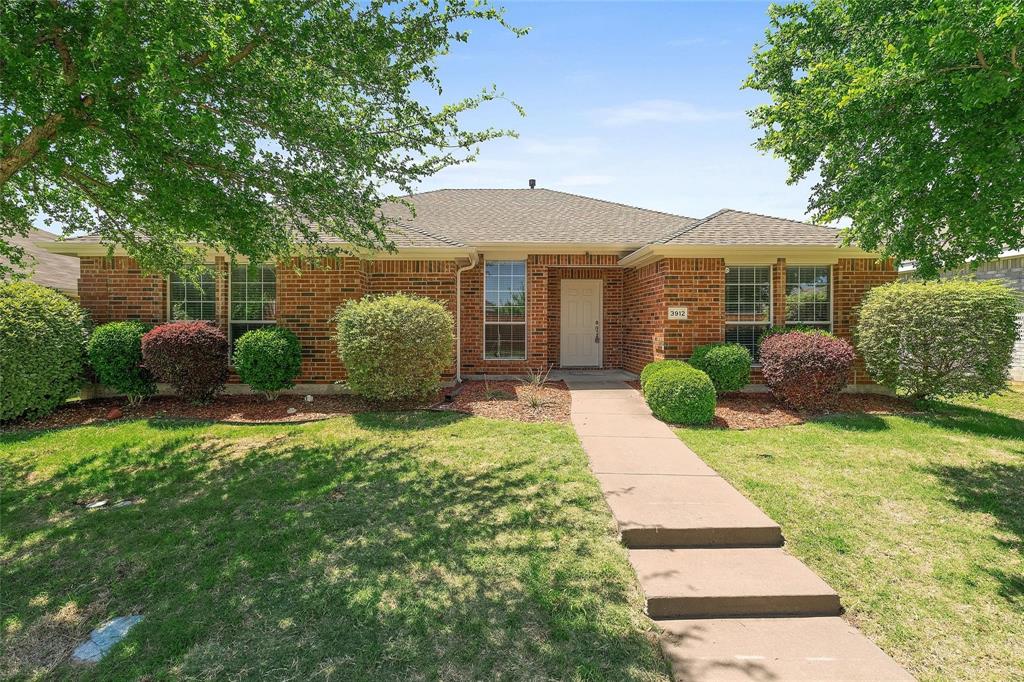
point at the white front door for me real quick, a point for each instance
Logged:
(581, 323)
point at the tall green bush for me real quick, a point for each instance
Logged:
(728, 365)
(395, 347)
(268, 359)
(939, 339)
(115, 354)
(42, 349)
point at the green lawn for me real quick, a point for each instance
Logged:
(406, 546)
(917, 521)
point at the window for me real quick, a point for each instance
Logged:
(808, 295)
(253, 298)
(191, 301)
(748, 305)
(505, 310)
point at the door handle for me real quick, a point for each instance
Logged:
(597, 332)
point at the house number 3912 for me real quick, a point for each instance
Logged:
(677, 313)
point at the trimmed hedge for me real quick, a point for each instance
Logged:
(652, 368)
(268, 359)
(681, 395)
(190, 356)
(395, 347)
(939, 339)
(728, 365)
(42, 349)
(807, 370)
(115, 354)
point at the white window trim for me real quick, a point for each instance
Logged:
(231, 320)
(526, 310)
(771, 303)
(831, 306)
(167, 311)
(771, 297)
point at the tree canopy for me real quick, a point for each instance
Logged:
(249, 127)
(911, 112)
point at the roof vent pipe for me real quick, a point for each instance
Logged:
(533, 183)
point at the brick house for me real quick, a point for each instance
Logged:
(535, 278)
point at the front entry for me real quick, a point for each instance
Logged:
(581, 323)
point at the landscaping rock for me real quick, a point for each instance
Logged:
(292, 410)
(115, 413)
(103, 638)
(309, 398)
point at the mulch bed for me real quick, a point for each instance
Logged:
(511, 400)
(242, 409)
(743, 411)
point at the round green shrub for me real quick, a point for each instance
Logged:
(395, 347)
(42, 349)
(268, 359)
(939, 339)
(652, 368)
(115, 354)
(728, 365)
(681, 395)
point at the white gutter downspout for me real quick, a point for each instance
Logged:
(473, 260)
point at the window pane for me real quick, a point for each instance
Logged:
(505, 302)
(191, 302)
(253, 294)
(807, 295)
(747, 335)
(505, 341)
(748, 293)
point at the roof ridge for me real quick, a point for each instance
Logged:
(775, 217)
(691, 226)
(553, 191)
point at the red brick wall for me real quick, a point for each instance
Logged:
(308, 293)
(644, 311)
(115, 288)
(851, 279)
(698, 284)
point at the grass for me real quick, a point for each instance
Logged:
(917, 521)
(403, 546)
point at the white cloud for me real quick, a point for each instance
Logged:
(584, 181)
(661, 111)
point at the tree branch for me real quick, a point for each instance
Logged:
(67, 63)
(29, 147)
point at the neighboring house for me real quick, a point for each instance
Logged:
(44, 267)
(535, 278)
(1009, 269)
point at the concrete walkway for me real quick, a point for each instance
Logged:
(731, 603)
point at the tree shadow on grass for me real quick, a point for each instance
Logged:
(278, 555)
(997, 489)
(971, 420)
(853, 422)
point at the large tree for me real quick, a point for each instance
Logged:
(912, 113)
(253, 127)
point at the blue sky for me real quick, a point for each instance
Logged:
(637, 102)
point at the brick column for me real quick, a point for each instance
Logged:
(779, 292)
(851, 280)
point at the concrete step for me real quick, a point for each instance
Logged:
(709, 583)
(685, 511)
(734, 649)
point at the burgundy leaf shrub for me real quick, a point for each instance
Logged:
(805, 369)
(190, 356)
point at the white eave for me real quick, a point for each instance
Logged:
(746, 254)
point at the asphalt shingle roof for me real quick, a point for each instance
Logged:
(468, 217)
(731, 227)
(475, 216)
(49, 269)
